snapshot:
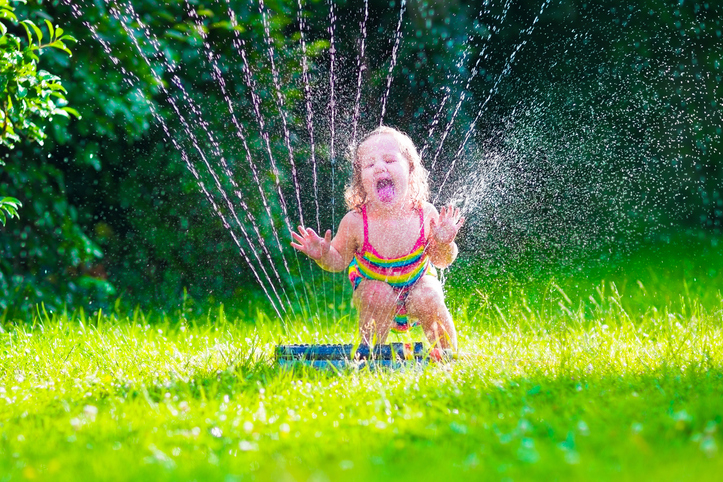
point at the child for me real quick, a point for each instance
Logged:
(391, 240)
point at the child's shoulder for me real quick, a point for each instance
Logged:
(353, 216)
(352, 221)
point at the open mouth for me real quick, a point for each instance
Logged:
(385, 190)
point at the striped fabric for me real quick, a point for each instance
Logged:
(400, 273)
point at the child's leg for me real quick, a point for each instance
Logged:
(426, 302)
(377, 304)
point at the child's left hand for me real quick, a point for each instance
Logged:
(445, 228)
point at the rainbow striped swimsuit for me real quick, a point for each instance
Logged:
(400, 273)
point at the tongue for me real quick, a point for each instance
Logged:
(386, 192)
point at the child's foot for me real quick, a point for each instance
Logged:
(436, 354)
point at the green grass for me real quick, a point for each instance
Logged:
(616, 380)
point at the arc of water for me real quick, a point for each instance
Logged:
(332, 126)
(361, 67)
(435, 122)
(309, 122)
(189, 132)
(493, 90)
(332, 104)
(256, 102)
(397, 41)
(218, 76)
(251, 85)
(129, 80)
(239, 44)
(309, 109)
(281, 105)
(473, 74)
(282, 111)
(217, 152)
(440, 110)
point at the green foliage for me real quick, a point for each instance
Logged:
(8, 208)
(29, 94)
(114, 207)
(46, 256)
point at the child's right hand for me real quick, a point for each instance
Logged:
(311, 244)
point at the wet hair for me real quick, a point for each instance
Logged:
(355, 195)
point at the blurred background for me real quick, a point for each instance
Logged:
(574, 134)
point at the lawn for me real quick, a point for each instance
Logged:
(620, 378)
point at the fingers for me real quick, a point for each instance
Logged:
(308, 235)
(446, 226)
(451, 213)
(304, 233)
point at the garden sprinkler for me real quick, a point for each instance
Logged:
(392, 355)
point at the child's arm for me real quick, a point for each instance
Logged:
(330, 254)
(443, 229)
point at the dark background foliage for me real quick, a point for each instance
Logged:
(591, 114)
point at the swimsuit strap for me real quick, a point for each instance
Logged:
(366, 229)
(421, 222)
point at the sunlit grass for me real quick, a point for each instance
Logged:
(564, 389)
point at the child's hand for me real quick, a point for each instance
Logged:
(310, 243)
(445, 229)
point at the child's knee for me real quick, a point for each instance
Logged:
(426, 301)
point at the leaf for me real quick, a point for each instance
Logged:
(61, 46)
(56, 86)
(38, 32)
(8, 15)
(10, 206)
(3, 29)
(51, 29)
(72, 111)
(27, 31)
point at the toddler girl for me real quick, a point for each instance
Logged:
(390, 241)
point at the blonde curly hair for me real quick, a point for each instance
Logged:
(355, 195)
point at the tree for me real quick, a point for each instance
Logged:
(31, 100)
(29, 94)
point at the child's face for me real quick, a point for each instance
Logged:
(384, 170)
